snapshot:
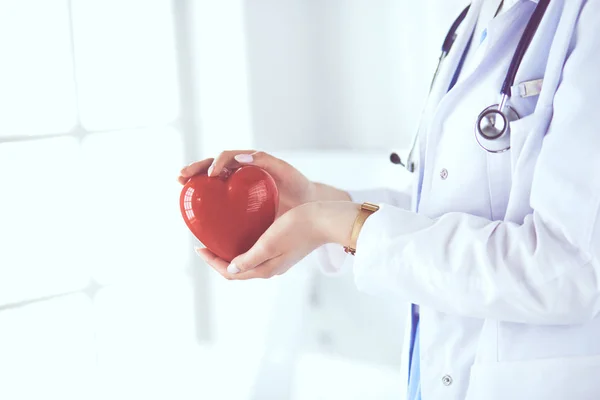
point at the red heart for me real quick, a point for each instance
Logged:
(229, 213)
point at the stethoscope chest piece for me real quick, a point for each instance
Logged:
(492, 129)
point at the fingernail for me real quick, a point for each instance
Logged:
(210, 169)
(233, 269)
(244, 158)
(197, 250)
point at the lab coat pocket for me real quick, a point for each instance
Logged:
(548, 379)
(503, 167)
(519, 131)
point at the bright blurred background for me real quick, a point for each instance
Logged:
(102, 102)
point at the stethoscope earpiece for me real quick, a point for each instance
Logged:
(410, 165)
(395, 159)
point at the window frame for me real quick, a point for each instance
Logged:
(187, 123)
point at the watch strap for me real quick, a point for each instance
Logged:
(366, 209)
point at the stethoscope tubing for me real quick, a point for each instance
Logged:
(489, 142)
(508, 83)
(530, 31)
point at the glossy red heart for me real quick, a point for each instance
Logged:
(229, 213)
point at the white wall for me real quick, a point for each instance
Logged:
(341, 74)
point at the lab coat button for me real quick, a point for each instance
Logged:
(444, 173)
(447, 380)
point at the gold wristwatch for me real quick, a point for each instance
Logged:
(366, 209)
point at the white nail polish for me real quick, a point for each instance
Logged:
(210, 169)
(244, 158)
(233, 269)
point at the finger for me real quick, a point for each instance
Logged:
(182, 179)
(195, 168)
(266, 270)
(226, 159)
(257, 255)
(263, 160)
(212, 259)
(205, 254)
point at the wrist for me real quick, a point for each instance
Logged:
(335, 220)
(324, 192)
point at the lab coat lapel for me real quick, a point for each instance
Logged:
(440, 88)
(454, 56)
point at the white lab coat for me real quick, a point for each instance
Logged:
(503, 256)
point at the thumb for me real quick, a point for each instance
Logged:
(263, 160)
(249, 260)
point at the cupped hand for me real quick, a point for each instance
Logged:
(291, 238)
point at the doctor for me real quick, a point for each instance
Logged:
(498, 252)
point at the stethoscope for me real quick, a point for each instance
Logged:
(492, 127)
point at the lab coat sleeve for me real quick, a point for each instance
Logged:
(331, 257)
(545, 270)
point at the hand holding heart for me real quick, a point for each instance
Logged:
(294, 188)
(289, 239)
(228, 213)
(311, 214)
